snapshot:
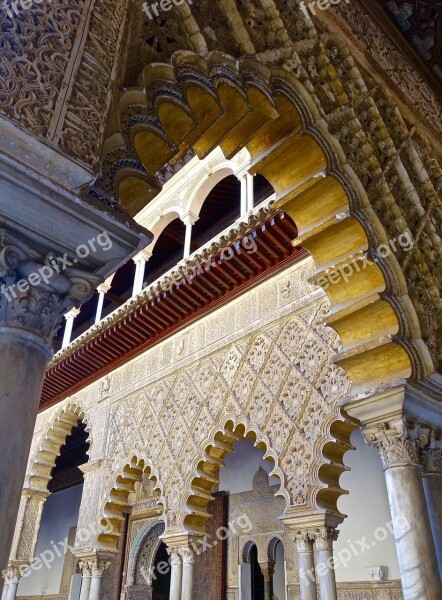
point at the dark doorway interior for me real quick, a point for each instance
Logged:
(161, 585)
(257, 576)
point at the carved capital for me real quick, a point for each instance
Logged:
(175, 556)
(97, 567)
(304, 539)
(324, 538)
(12, 575)
(431, 455)
(187, 556)
(36, 290)
(267, 570)
(85, 568)
(398, 444)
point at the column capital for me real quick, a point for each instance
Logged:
(324, 538)
(187, 556)
(74, 312)
(85, 568)
(12, 575)
(397, 441)
(103, 288)
(304, 539)
(97, 566)
(190, 218)
(175, 556)
(267, 570)
(91, 466)
(36, 290)
(143, 256)
(431, 455)
(39, 494)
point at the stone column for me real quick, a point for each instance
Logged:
(306, 565)
(5, 591)
(267, 570)
(86, 572)
(189, 221)
(140, 261)
(97, 568)
(431, 459)
(70, 318)
(250, 192)
(102, 291)
(188, 559)
(176, 574)
(27, 525)
(243, 181)
(325, 572)
(12, 578)
(398, 447)
(32, 302)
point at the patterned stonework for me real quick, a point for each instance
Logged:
(270, 380)
(265, 361)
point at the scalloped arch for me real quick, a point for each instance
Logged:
(204, 471)
(117, 500)
(49, 446)
(242, 104)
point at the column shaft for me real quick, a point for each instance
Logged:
(250, 193)
(307, 575)
(325, 572)
(413, 536)
(187, 585)
(176, 581)
(433, 494)
(85, 587)
(243, 195)
(99, 307)
(5, 591)
(95, 587)
(12, 591)
(188, 239)
(22, 368)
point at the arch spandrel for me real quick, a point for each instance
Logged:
(278, 386)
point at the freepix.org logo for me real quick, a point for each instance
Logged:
(12, 8)
(153, 10)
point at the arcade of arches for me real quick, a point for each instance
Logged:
(245, 397)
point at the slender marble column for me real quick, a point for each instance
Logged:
(415, 548)
(85, 580)
(267, 570)
(140, 261)
(243, 181)
(70, 318)
(306, 565)
(176, 575)
(5, 591)
(189, 221)
(431, 459)
(102, 291)
(325, 571)
(188, 558)
(97, 568)
(250, 193)
(12, 579)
